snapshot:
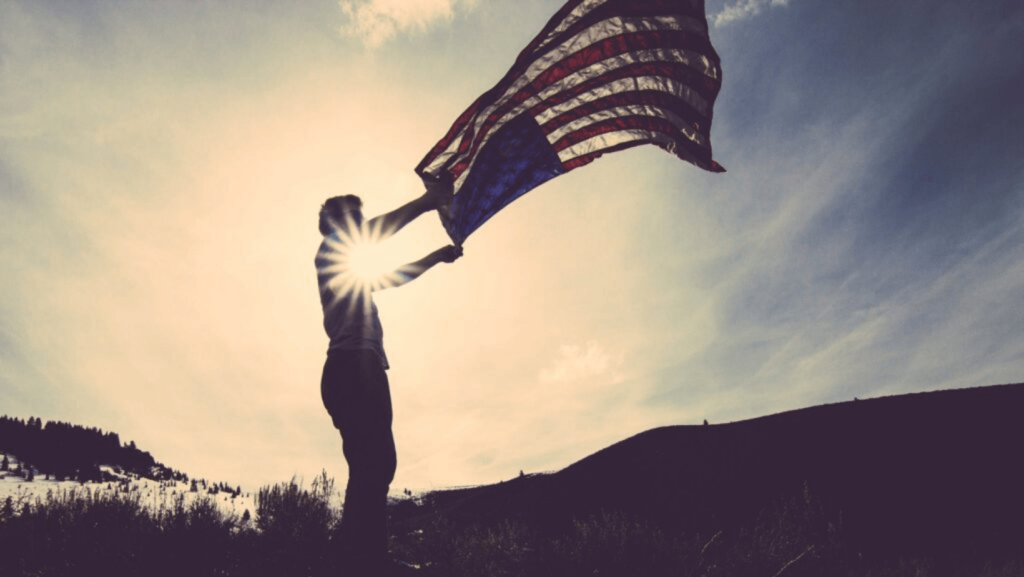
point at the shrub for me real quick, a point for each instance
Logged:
(296, 525)
(194, 538)
(507, 549)
(615, 544)
(78, 532)
(83, 532)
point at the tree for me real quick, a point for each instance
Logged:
(5, 465)
(8, 509)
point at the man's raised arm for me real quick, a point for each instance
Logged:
(438, 196)
(413, 270)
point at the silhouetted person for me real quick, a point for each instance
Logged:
(354, 386)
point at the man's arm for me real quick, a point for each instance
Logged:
(438, 196)
(413, 270)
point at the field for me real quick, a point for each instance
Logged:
(924, 485)
(84, 530)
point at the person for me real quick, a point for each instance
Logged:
(354, 386)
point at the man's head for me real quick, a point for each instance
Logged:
(337, 211)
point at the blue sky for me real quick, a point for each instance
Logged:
(161, 165)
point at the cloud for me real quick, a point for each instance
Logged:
(576, 363)
(743, 10)
(374, 22)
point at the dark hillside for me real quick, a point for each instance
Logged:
(923, 473)
(76, 452)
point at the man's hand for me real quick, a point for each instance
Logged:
(413, 270)
(437, 197)
(449, 253)
(439, 193)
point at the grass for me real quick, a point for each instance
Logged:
(795, 537)
(79, 532)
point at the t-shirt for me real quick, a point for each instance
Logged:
(350, 315)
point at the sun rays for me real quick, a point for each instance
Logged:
(354, 262)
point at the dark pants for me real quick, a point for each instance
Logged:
(356, 393)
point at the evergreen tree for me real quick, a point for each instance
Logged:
(8, 509)
(66, 450)
(5, 465)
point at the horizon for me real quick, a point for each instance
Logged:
(395, 491)
(161, 168)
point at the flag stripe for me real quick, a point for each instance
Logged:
(587, 151)
(625, 49)
(605, 136)
(657, 104)
(564, 20)
(565, 17)
(692, 20)
(640, 89)
(615, 49)
(602, 41)
(621, 71)
(601, 76)
(603, 126)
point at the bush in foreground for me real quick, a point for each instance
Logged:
(83, 532)
(795, 537)
(92, 532)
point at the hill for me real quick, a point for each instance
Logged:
(76, 452)
(926, 474)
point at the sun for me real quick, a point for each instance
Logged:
(356, 260)
(369, 261)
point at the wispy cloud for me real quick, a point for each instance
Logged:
(743, 10)
(374, 22)
(577, 362)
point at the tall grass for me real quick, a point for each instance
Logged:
(795, 537)
(83, 533)
(294, 527)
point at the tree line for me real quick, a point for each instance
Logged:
(76, 452)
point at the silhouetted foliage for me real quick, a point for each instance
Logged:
(621, 512)
(74, 451)
(83, 532)
(112, 533)
(7, 511)
(298, 523)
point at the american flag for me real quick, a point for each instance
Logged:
(602, 76)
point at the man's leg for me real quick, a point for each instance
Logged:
(358, 397)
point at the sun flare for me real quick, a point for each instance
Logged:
(358, 260)
(368, 261)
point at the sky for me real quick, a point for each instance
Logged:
(162, 165)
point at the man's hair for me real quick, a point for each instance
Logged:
(333, 209)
